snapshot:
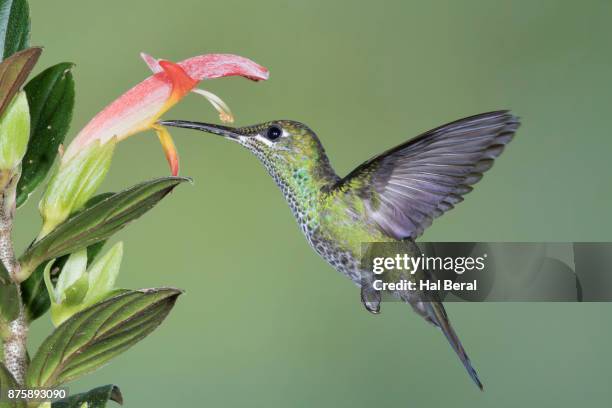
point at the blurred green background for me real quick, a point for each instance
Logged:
(264, 321)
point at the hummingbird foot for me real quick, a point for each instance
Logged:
(370, 298)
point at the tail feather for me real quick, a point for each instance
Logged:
(438, 316)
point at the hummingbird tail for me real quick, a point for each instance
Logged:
(438, 316)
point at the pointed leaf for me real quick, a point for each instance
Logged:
(96, 398)
(33, 292)
(7, 382)
(9, 303)
(14, 27)
(99, 222)
(13, 73)
(51, 100)
(94, 250)
(90, 338)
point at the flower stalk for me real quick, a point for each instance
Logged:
(15, 335)
(14, 135)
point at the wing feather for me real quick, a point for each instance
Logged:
(405, 188)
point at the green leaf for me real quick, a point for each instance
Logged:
(94, 250)
(33, 292)
(96, 398)
(9, 305)
(7, 382)
(51, 100)
(98, 222)
(90, 338)
(14, 27)
(13, 73)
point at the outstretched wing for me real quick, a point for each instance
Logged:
(406, 187)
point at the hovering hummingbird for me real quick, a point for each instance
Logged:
(392, 197)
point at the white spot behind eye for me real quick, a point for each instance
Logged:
(264, 140)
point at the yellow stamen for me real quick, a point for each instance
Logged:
(224, 111)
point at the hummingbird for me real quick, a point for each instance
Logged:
(392, 197)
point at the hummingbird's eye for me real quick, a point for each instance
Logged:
(274, 132)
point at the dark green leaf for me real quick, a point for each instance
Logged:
(33, 290)
(98, 222)
(14, 27)
(96, 398)
(7, 382)
(13, 72)
(90, 338)
(51, 99)
(9, 304)
(93, 250)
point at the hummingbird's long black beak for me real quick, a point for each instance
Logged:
(225, 131)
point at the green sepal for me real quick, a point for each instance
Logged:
(14, 132)
(96, 398)
(15, 27)
(51, 100)
(72, 272)
(7, 382)
(74, 183)
(103, 274)
(65, 303)
(92, 337)
(75, 293)
(98, 222)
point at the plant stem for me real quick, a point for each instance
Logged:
(15, 352)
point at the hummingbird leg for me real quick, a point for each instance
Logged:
(370, 298)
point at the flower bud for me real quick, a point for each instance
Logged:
(70, 289)
(78, 288)
(14, 132)
(73, 183)
(103, 274)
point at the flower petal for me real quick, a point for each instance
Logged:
(169, 148)
(211, 66)
(151, 62)
(133, 112)
(181, 82)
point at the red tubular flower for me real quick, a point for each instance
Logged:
(140, 107)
